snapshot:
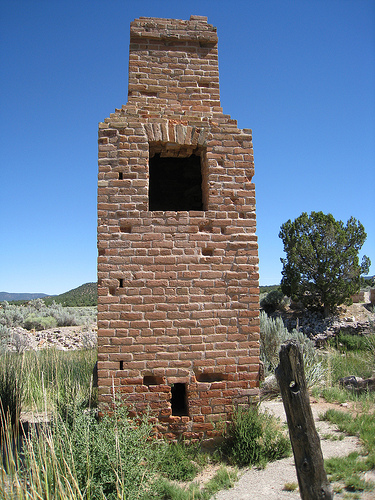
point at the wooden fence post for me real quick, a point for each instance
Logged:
(308, 457)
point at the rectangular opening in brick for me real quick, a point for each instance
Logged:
(179, 400)
(175, 183)
(211, 377)
(152, 380)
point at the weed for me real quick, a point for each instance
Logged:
(290, 486)
(333, 437)
(339, 365)
(223, 479)
(111, 458)
(344, 342)
(53, 374)
(349, 469)
(176, 461)
(337, 488)
(255, 438)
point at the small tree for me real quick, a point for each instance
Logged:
(321, 268)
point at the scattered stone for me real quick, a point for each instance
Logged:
(358, 384)
(356, 319)
(65, 338)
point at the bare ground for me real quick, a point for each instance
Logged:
(269, 483)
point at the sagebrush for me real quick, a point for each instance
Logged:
(273, 333)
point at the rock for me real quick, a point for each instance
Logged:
(62, 338)
(355, 319)
(358, 384)
(269, 387)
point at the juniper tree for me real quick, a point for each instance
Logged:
(321, 268)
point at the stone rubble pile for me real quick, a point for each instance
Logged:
(318, 328)
(62, 338)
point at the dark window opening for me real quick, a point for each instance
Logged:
(152, 380)
(179, 400)
(121, 365)
(120, 176)
(175, 183)
(211, 377)
(207, 252)
(121, 282)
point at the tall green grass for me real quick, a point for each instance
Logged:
(12, 386)
(56, 375)
(84, 459)
(72, 454)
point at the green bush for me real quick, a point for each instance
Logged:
(34, 322)
(274, 301)
(176, 461)
(36, 314)
(255, 438)
(11, 315)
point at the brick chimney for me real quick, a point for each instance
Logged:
(178, 296)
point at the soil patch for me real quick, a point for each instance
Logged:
(269, 483)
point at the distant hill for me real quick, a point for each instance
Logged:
(84, 295)
(20, 296)
(268, 288)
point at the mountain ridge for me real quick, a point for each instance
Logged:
(83, 295)
(9, 296)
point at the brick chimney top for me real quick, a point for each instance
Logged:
(196, 29)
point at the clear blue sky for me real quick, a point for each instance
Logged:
(301, 74)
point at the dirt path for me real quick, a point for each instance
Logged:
(268, 483)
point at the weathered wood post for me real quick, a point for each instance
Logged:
(308, 457)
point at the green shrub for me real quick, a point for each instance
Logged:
(35, 314)
(11, 315)
(274, 301)
(176, 463)
(255, 438)
(34, 322)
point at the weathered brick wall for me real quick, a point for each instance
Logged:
(178, 296)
